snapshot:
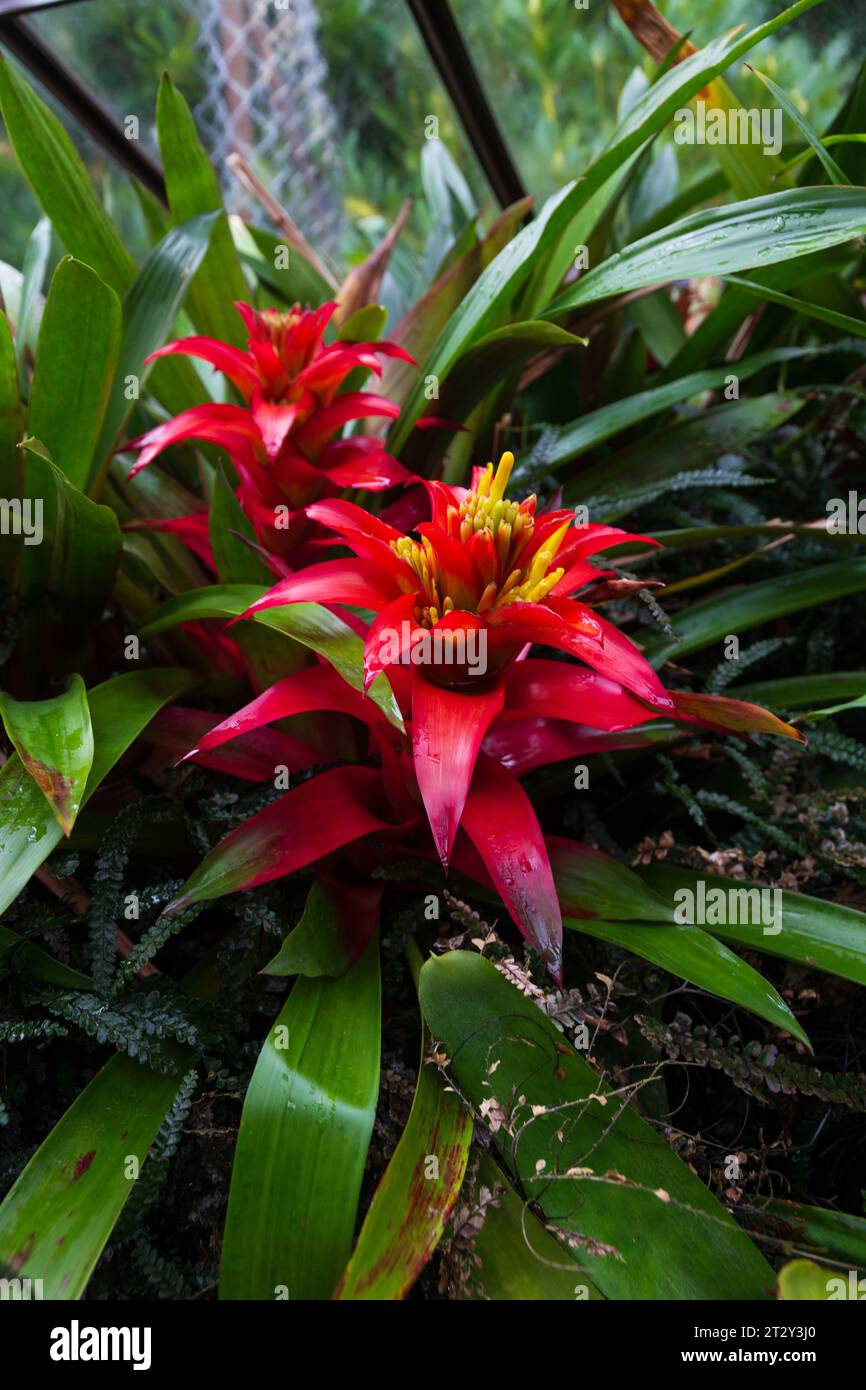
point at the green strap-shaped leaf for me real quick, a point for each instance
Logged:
(309, 623)
(710, 620)
(193, 188)
(515, 1257)
(417, 1193)
(33, 275)
(761, 231)
(831, 168)
(594, 1167)
(76, 357)
(11, 462)
(23, 957)
(119, 709)
(56, 1219)
(68, 564)
(150, 307)
(302, 1144)
(58, 177)
(822, 935)
(695, 955)
(54, 740)
(599, 425)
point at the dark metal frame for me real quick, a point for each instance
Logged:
(28, 47)
(438, 29)
(444, 43)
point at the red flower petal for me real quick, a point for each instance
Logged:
(229, 426)
(254, 756)
(559, 691)
(238, 366)
(359, 582)
(316, 688)
(500, 822)
(448, 727)
(315, 819)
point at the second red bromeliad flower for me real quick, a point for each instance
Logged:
(283, 439)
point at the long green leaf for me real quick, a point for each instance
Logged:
(56, 1219)
(515, 1257)
(54, 740)
(719, 241)
(416, 1194)
(302, 1145)
(149, 310)
(602, 424)
(823, 935)
(695, 955)
(76, 357)
(736, 612)
(67, 571)
(58, 177)
(119, 709)
(594, 1167)
(193, 188)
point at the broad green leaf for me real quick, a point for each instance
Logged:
(822, 935)
(119, 709)
(56, 1219)
(516, 1257)
(331, 933)
(149, 309)
(825, 1233)
(599, 425)
(721, 241)
(11, 463)
(791, 692)
(415, 1197)
(592, 884)
(308, 623)
(695, 955)
(58, 177)
(302, 1144)
(846, 323)
(67, 568)
(594, 1167)
(279, 266)
(483, 367)
(76, 356)
(831, 168)
(54, 740)
(804, 1281)
(33, 278)
(741, 609)
(22, 957)
(418, 330)
(193, 189)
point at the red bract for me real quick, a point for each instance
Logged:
(486, 567)
(283, 439)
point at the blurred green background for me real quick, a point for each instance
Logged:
(557, 77)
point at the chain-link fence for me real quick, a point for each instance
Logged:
(267, 100)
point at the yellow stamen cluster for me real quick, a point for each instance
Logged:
(486, 515)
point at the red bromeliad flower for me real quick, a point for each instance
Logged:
(283, 439)
(456, 612)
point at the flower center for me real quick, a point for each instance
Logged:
(501, 565)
